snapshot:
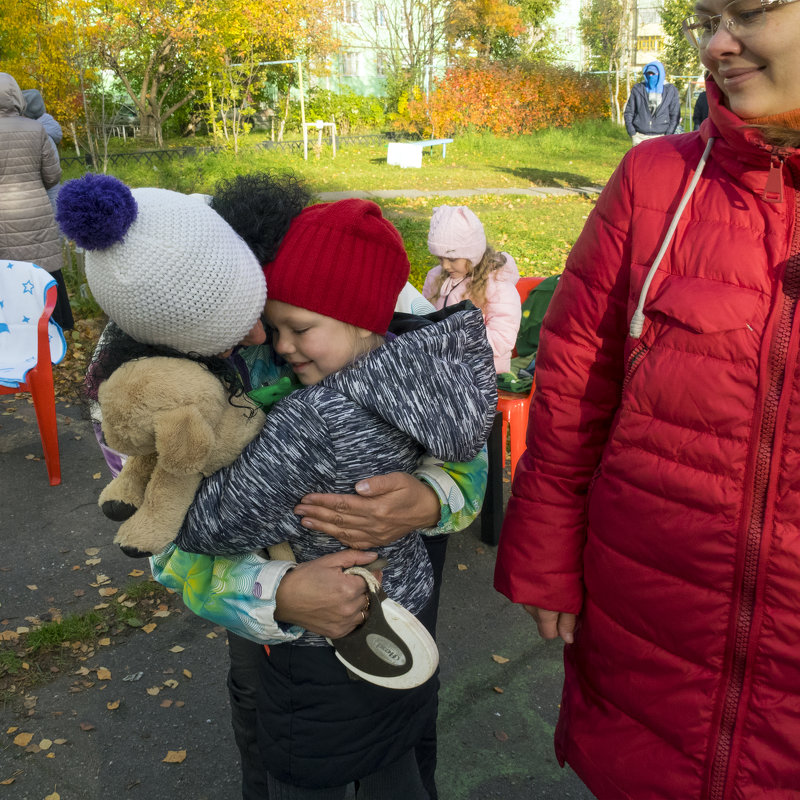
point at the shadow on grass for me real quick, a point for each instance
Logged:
(545, 177)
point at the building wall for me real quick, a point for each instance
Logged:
(365, 41)
(358, 64)
(648, 33)
(568, 34)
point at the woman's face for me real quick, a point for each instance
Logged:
(760, 72)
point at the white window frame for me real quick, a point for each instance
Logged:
(351, 11)
(351, 63)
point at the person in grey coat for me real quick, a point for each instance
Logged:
(29, 166)
(653, 107)
(34, 109)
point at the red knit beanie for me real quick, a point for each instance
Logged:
(342, 260)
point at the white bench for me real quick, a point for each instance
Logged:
(409, 154)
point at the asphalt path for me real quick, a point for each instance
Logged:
(145, 714)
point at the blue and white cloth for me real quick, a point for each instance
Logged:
(23, 290)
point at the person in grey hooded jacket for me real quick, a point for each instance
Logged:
(653, 107)
(29, 166)
(34, 109)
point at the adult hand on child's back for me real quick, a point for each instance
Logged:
(320, 597)
(385, 508)
(552, 624)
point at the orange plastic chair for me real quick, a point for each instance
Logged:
(26, 358)
(513, 407)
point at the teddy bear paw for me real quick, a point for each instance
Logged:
(134, 552)
(118, 510)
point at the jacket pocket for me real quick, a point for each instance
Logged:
(699, 305)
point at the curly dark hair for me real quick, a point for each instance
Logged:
(117, 348)
(260, 207)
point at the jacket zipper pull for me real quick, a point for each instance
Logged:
(773, 191)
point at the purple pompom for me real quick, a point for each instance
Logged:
(95, 211)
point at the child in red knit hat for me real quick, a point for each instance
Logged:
(366, 407)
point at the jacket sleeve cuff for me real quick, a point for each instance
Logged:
(237, 592)
(460, 487)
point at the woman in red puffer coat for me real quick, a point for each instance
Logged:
(655, 517)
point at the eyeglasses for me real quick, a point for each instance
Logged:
(742, 18)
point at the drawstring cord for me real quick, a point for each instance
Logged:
(637, 322)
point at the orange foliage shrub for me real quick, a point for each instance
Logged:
(506, 100)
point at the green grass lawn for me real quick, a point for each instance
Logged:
(537, 231)
(579, 156)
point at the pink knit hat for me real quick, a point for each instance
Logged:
(456, 232)
(343, 260)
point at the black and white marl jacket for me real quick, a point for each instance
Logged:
(430, 390)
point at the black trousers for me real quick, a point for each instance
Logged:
(62, 313)
(244, 684)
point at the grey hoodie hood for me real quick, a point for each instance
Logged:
(11, 102)
(451, 360)
(34, 103)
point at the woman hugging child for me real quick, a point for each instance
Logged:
(364, 409)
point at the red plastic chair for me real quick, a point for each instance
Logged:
(514, 407)
(38, 380)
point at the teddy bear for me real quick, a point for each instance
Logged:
(180, 287)
(171, 416)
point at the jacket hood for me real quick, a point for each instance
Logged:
(11, 102)
(662, 75)
(411, 380)
(509, 271)
(34, 103)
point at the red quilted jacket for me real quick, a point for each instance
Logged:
(660, 493)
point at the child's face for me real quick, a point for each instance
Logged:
(455, 267)
(314, 345)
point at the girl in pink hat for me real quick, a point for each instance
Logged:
(470, 269)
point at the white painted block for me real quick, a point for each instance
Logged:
(404, 154)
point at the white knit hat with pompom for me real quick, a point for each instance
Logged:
(178, 275)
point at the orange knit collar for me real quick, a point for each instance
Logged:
(789, 119)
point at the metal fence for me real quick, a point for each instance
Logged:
(156, 157)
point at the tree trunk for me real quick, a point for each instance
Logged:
(149, 128)
(285, 114)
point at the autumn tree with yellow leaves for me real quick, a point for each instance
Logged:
(40, 46)
(167, 52)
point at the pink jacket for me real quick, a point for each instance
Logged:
(660, 492)
(501, 312)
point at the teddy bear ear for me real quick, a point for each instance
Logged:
(184, 440)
